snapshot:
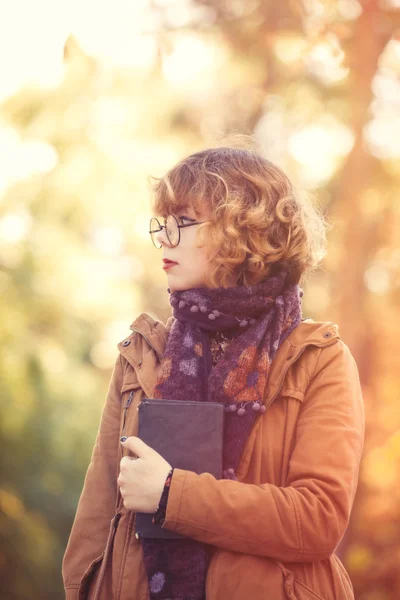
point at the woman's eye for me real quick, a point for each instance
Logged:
(184, 218)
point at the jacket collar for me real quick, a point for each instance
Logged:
(149, 334)
(154, 332)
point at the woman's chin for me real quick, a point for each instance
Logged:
(177, 288)
(180, 286)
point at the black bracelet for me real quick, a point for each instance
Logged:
(159, 515)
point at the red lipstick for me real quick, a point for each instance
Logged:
(168, 263)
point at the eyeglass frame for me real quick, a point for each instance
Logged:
(166, 231)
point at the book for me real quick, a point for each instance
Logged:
(189, 435)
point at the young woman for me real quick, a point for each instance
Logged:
(235, 241)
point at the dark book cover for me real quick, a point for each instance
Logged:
(189, 435)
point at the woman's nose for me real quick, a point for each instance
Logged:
(161, 237)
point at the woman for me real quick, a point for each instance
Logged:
(236, 241)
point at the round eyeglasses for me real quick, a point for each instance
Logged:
(172, 229)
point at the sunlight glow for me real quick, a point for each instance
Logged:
(35, 48)
(325, 62)
(191, 58)
(318, 147)
(290, 48)
(14, 227)
(377, 279)
(22, 158)
(108, 240)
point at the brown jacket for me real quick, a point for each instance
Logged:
(276, 529)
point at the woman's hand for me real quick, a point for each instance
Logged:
(141, 480)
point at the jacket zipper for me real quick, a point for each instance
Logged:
(117, 516)
(126, 406)
(110, 540)
(119, 496)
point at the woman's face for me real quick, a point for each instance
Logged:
(191, 261)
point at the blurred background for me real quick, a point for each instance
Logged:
(95, 96)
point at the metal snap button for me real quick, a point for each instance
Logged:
(327, 334)
(126, 342)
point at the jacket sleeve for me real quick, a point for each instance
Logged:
(97, 501)
(306, 519)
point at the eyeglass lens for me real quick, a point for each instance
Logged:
(154, 229)
(171, 229)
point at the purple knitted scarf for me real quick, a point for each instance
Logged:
(261, 317)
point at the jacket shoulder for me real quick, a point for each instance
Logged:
(146, 329)
(329, 351)
(310, 332)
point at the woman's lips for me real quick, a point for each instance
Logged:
(168, 264)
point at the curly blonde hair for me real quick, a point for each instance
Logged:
(257, 224)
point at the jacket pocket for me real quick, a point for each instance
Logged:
(303, 592)
(296, 589)
(210, 572)
(88, 577)
(343, 575)
(132, 394)
(89, 588)
(71, 593)
(240, 576)
(291, 393)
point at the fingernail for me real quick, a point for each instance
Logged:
(124, 437)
